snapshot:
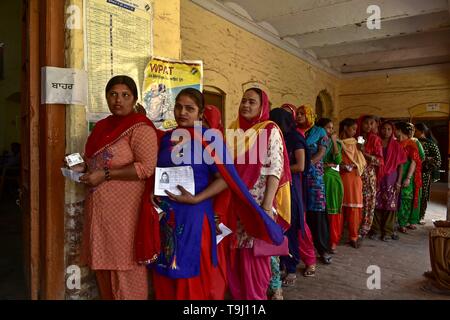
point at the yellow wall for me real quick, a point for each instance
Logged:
(233, 57)
(166, 42)
(10, 34)
(398, 95)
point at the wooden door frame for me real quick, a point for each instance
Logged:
(45, 37)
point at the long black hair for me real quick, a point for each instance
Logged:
(404, 127)
(322, 122)
(424, 128)
(347, 122)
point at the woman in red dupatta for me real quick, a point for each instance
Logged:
(373, 152)
(411, 180)
(268, 181)
(120, 155)
(212, 118)
(389, 184)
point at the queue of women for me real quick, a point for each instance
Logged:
(287, 207)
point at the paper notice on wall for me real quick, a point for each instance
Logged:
(118, 40)
(164, 79)
(63, 86)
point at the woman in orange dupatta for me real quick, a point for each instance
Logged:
(351, 170)
(268, 181)
(120, 154)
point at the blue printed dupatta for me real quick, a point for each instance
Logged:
(180, 229)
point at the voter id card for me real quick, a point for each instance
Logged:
(74, 159)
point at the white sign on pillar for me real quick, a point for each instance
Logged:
(63, 86)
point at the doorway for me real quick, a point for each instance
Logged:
(12, 276)
(440, 131)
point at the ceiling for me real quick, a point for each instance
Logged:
(334, 33)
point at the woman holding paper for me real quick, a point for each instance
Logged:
(188, 239)
(185, 268)
(120, 154)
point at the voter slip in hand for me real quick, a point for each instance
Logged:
(72, 175)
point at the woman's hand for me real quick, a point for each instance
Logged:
(269, 213)
(81, 167)
(398, 186)
(94, 178)
(334, 138)
(217, 222)
(184, 197)
(406, 182)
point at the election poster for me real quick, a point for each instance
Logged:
(163, 80)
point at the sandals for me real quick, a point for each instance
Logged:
(277, 294)
(289, 280)
(411, 227)
(402, 230)
(310, 271)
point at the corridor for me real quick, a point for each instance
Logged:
(401, 263)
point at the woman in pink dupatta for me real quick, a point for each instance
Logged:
(389, 185)
(267, 180)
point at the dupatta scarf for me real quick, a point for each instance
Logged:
(258, 224)
(105, 133)
(395, 155)
(311, 117)
(248, 144)
(355, 156)
(109, 130)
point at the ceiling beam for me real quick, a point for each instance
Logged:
(226, 13)
(347, 13)
(391, 56)
(392, 43)
(354, 33)
(397, 65)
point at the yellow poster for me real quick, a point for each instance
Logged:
(163, 80)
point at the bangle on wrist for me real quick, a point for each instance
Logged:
(107, 175)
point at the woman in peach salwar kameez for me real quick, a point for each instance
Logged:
(120, 154)
(351, 170)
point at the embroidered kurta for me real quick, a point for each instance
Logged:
(273, 167)
(112, 208)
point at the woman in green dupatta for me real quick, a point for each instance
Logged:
(334, 189)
